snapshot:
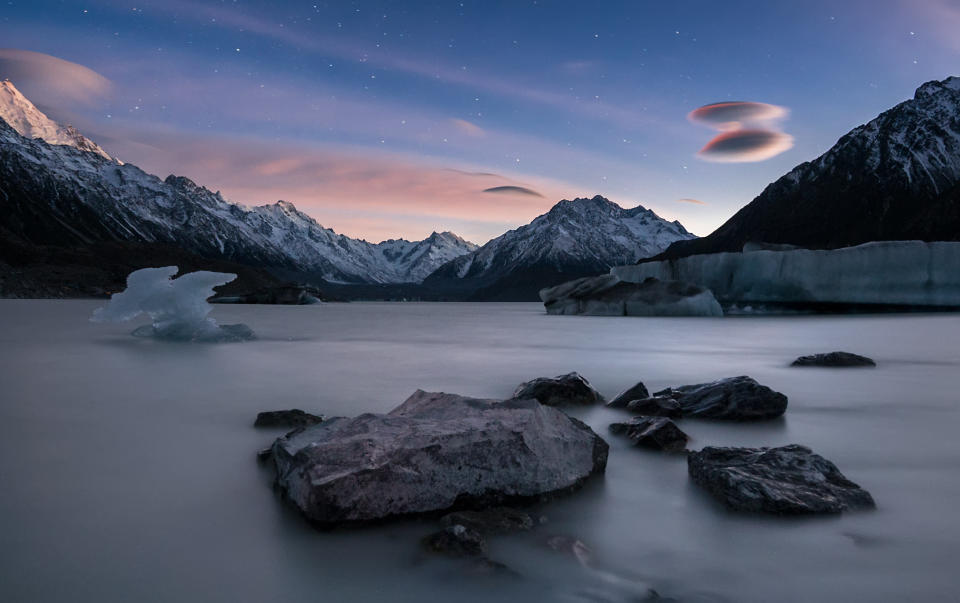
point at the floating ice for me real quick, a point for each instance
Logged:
(177, 307)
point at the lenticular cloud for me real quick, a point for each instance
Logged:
(748, 131)
(178, 307)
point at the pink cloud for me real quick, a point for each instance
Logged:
(51, 81)
(740, 146)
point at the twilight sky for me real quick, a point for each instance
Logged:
(387, 119)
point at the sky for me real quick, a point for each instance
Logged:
(395, 119)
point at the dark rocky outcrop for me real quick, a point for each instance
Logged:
(434, 452)
(834, 359)
(566, 390)
(607, 295)
(286, 418)
(636, 392)
(789, 480)
(290, 294)
(896, 178)
(734, 399)
(495, 520)
(658, 433)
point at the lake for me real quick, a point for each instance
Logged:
(129, 473)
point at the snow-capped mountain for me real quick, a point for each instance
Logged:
(71, 193)
(575, 238)
(894, 178)
(30, 122)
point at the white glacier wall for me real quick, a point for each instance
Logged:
(178, 308)
(908, 273)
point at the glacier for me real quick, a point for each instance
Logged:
(178, 308)
(882, 273)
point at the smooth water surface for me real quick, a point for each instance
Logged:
(128, 471)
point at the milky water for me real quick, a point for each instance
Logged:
(128, 472)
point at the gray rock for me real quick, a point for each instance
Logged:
(656, 406)
(789, 480)
(565, 390)
(636, 392)
(659, 433)
(834, 359)
(456, 541)
(432, 453)
(607, 295)
(733, 399)
(495, 520)
(286, 418)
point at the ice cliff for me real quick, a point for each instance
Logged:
(886, 273)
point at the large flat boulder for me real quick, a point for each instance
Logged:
(733, 399)
(565, 390)
(607, 295)
(434, 452)
(789, 480)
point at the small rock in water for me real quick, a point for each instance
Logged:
(834, 359)
(286, 418)
(789, 480)
(732, 399)
(656, 406)
(568, 544)
(495, 520)
(565, 390)
(456, 541)
(636, 392)
(264, 454)
(659, 433)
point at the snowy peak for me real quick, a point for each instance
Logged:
(30, 122)
(897, 177)
(574, 238)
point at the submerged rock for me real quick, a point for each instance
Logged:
(432, 453)
(659, 433)
(565, 390)
(607, 295)
(456, 541)
(789, 480)
(496, 520)
(636, 392)
(835, 359)
(286, 418)
(734, 399)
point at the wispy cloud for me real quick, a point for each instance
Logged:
(693, 201)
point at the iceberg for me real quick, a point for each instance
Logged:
(607, 295)
(178, 308)
(881, 274)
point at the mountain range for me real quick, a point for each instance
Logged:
(896, 177)
(63, 196)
